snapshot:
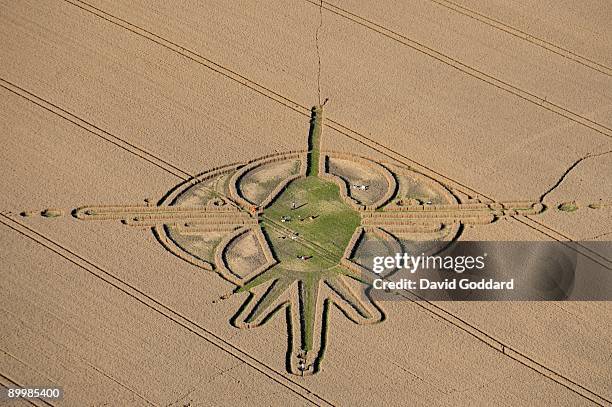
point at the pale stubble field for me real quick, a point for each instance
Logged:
(109, 103)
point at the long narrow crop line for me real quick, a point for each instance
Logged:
(95, 130)
(570, 169)
(319, 51)
(190, 54)
(523, 35)
(561, 237)
(163, 310)
(508, 350)
(454, 63)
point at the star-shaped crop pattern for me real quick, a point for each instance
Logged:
(294, 231)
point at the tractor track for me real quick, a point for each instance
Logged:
(164, 310)
(454, 63)
(523, 35)
(95, 130)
